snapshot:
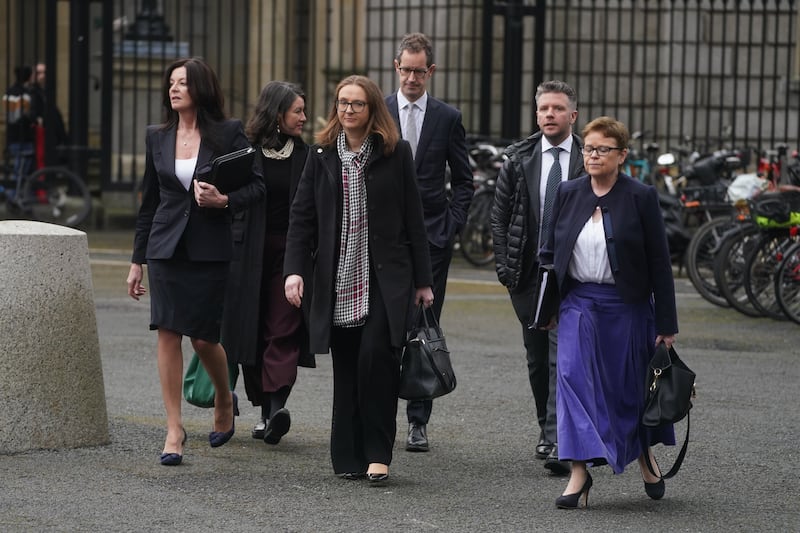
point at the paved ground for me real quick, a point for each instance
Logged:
(480, 474)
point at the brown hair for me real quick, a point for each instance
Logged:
(415, 43)
(203, 87)
(609, 127)
(380, 121)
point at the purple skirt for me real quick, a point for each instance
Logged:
(604, 346)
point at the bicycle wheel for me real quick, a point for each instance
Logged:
(700, 258)
(476, 238)
(56, 195)
(787, 283)
(730, 265)
(759, 277)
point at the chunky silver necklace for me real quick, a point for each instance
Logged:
(283, 153)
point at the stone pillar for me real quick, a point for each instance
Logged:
(51, 378)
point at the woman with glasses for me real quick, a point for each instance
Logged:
(609, 248)
(358, 214)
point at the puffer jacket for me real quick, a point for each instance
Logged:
(511, 226)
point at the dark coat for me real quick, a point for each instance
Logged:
(636, 243)
(398, 244)
(169, 212)
(442, 142)
(515, 212)
(241, 323)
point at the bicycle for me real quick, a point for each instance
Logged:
(52, 194)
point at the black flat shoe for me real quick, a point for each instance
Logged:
(376, 479)
(655, 490)
(259, 429)
(543, 448)
(278, 426)
(571, 501)
(353, 476)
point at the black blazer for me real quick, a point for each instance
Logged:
(442, 142)
(398, 246)
(170, 213)
(637, 243)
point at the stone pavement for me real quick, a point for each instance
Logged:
(480, 474)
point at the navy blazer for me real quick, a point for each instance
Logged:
(636, 242)
(169, 212)
(398, 246)
(442, 142)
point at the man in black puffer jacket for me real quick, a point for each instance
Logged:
(516, 230)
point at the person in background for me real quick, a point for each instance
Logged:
(357, 211)
(19, 124)
(260, 329)
(183, 233)
(436, 135)
(609, 249)
(518, 227)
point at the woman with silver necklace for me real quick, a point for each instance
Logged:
(261, 330)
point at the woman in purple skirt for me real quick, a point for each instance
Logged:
(609, 248)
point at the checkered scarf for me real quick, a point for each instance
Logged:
(352, 274)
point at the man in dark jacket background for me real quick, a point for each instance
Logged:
(517, 227)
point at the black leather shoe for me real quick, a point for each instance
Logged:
(543, 448)
(554, 465)
(352, 476)
(259, 429)
(377, 479)
(417, 438)
(278, 426)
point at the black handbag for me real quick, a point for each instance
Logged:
(425, 369)
(670, 389)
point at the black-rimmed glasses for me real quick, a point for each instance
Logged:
(356, 105)
(418, 72)
(601, 150)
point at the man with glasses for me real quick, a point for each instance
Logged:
(436, 134)
(520, 213)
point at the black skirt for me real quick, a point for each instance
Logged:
(187, 297)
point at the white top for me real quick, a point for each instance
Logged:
(403, 105)
(184, 171)
(590, 257)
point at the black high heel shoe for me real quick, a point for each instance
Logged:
(174, 459)
(655, 490)
(218, 438)
(570, 501)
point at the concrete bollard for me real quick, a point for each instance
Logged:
(51, 379)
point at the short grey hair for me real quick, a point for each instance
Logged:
(557, 86)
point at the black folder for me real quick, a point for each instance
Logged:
(231, 171)
(546, 299)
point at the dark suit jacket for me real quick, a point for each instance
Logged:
(442, 141)
(516, 213)
(636, 243)
(170, 213)
(398, 246)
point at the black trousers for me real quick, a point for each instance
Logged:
(540, 351)
(419, 411)
(366, 377)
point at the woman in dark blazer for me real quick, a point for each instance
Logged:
(612, 262)
(358, 213)
(260, 329)
(183, 233)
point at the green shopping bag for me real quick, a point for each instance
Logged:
(197, 387)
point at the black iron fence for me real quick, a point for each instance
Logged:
(723, 72)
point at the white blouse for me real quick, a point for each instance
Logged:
(590, 257)
(184, 171)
